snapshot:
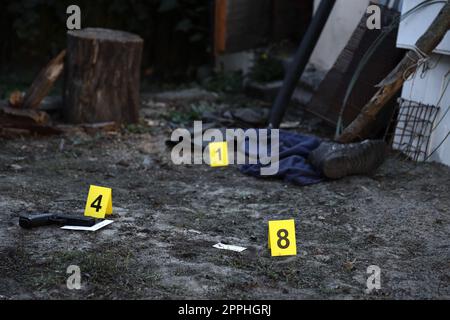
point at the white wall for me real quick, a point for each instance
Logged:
(343, 21)
(415, 25)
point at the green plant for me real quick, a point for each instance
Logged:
(228, 82)
(266, 68)
(195, 112)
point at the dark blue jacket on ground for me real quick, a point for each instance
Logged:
(293, 165)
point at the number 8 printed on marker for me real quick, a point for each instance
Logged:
(282, 241)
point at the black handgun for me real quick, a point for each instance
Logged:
(46, 219)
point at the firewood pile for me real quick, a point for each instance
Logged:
(21, 113)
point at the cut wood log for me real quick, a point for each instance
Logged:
(358, 129)
(89, 128)
(16, 99)
(102, 80)
(99, 127)
(44, 82)
(23, 121)
(13, 132)
(37, 117)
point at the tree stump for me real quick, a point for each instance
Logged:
(102, 76)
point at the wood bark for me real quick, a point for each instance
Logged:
(21, 121)
(358, 129)
(37, 117)
(102, 76)
(44, 82)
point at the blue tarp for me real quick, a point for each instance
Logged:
(293, 165)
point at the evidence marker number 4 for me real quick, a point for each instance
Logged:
(99, 202)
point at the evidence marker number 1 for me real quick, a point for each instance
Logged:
(218, 154)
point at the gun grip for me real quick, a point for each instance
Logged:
(33, 221)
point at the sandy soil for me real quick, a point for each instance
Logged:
(167, 218)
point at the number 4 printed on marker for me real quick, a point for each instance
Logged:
(99, 202)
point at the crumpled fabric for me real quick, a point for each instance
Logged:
(293, 164)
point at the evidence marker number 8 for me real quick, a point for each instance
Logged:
(282, 240)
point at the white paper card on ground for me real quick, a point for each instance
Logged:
(222, 246)
(96, 227)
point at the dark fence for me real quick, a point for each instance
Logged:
(176, 32)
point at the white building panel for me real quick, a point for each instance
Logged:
(414, 26)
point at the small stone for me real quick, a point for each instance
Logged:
(16, 167)
(147, 161)
(109, 233)
(123, 163)
(61, 145)
(349, 265)
(322, 258)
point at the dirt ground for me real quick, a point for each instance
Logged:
(167, 218)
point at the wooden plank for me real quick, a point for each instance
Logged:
(327, 101)
(220, 26)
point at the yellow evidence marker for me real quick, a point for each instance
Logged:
(99, 202)
(218, 154)
(282, 241)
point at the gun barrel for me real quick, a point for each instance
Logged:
(73, 221)
(45, 219)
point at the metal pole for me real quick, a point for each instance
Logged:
(298, 65)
